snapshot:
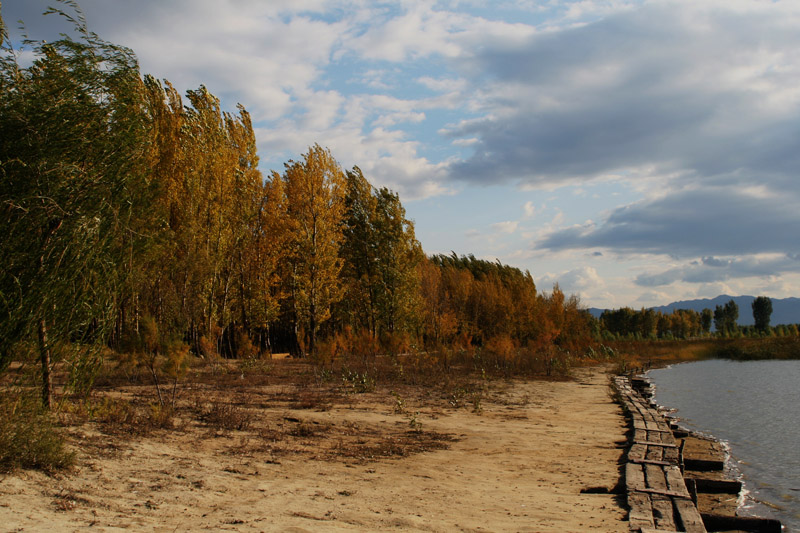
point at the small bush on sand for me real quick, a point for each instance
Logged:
(28, 438)
(224, 415)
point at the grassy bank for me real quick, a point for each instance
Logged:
(636, 355)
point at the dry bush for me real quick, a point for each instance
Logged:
(308, 429)
(330, 349)
(501, 347)
(28, 437)
(358, 382)
(363, 344)
(253, 366)
(386, 446)
(119, 416)
(313, 399)
(225, 415)
(208, 348)
(397, 343)
(245, 349)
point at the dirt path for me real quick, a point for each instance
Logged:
(517, 465)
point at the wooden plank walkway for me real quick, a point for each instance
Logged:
(657, 494)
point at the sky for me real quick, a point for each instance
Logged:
(636, 152)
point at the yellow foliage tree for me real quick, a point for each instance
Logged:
(315, 207)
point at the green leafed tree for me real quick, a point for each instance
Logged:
(72, 168)
(762, 312)
(726, 317)
(380, 255)
(706, 317)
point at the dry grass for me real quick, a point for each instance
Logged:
(259, 401)
(273, 413)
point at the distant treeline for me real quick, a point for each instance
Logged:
(687, 323)
(137, 218)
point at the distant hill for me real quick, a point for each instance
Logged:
(784, 310)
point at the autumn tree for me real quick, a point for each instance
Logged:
(259, 262)
(439, 320)
(315, 208)
(207, 221)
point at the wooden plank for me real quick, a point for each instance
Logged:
(637, 452)
(661, 444)
(661, 430)
(664, 429)
(634, 477)
(672, 455)
(638, 419)
(722, 522)
(703, 465)
(654, 422)
(670, 493)
(716, 486)
(654, 476)
(655, 453)
(651, 417)
(689, 516)
(675, 481)
(663, 512)
(641, 511)
(649, 462)
(657, 495)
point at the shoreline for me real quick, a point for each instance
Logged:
(709, 460)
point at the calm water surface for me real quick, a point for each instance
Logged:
(754, 406)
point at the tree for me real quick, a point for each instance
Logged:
(72, 144)
(380, 255)
(725, 318)
(762, 311)
(206, 221)
(315, 207)
(359, 254)
(705, 319)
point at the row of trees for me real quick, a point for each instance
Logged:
(650, 324)
(684, 323)
(485, 302)
(138, 219)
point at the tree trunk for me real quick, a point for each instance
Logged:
(47, 378)
(312, 326)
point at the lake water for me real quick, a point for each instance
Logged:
(753, 406)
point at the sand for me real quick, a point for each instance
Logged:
(517, 463)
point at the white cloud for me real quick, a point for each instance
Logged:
(505, 227)
(444, 85)
(529, 209)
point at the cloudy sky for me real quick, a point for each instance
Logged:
(637, 152)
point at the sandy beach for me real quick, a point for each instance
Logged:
(516, 459)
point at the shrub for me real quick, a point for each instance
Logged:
(28, 438)
(226, 416)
